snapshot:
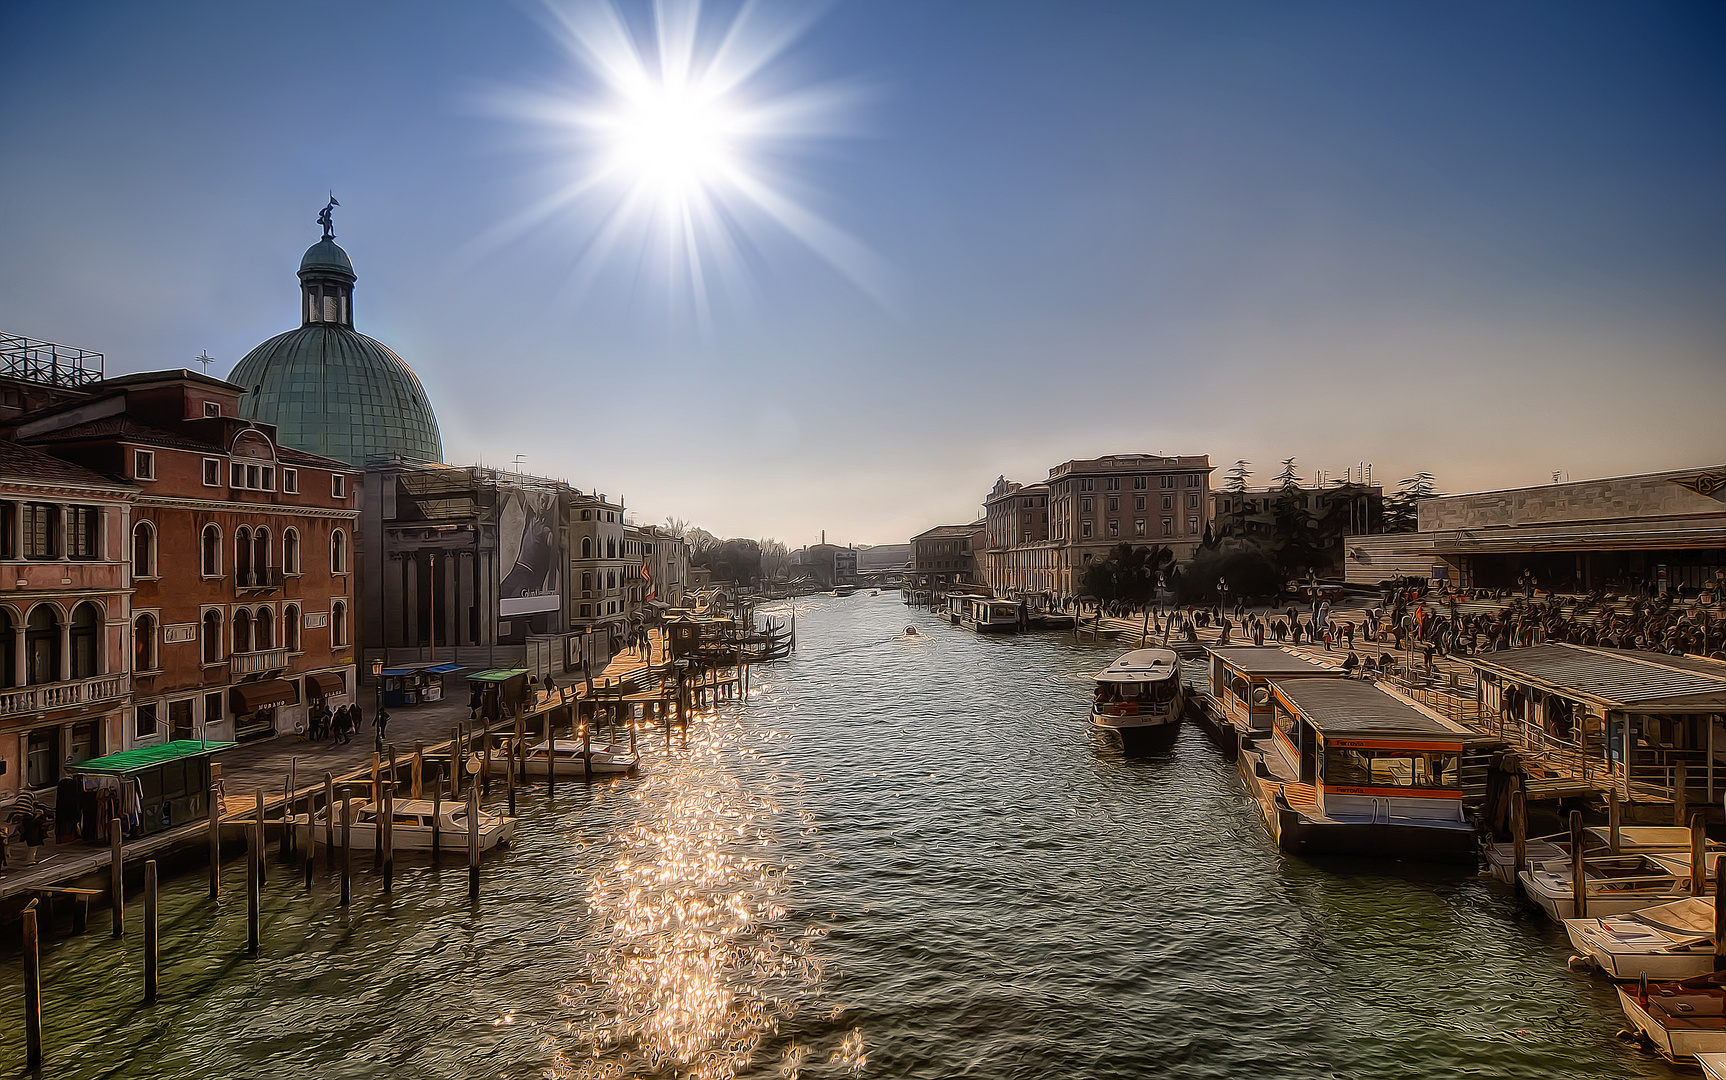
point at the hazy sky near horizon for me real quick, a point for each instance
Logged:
(1483, 240)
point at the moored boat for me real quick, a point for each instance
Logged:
(989, 616)
(1140, 693)
(410, 826)
(1613, 884)
(1667, 941)
(1681, 1020)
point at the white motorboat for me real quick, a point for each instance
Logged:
(1615, 885)
(570, 758)
(1713, 1065)
(1553, 852)
(1139, 692)
(410, 826)
(1681, 1020)
(1669, 941)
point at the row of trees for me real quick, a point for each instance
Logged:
(739, 559)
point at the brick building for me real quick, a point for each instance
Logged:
(240, 551)
(1140, 499)
(1018, 558)
(947, 555)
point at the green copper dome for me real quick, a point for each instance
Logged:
(328, 388)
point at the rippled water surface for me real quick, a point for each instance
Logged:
(904, 858)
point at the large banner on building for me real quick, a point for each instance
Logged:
(527, 551)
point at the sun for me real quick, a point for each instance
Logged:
(672, 145)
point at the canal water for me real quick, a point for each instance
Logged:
(906, 857)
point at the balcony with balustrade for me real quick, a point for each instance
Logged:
(258, 579)
(258, 662)
(102, 689)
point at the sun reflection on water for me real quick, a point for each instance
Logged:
(694, 961)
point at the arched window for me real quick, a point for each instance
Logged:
(587, 581)
(261, 554)
(338, 623)
(8, 648)
(264, 629)
(611, 549)
(144, 643)
(587, 547)
(291, 551)
(338, 552)
(242, 556)
(212, 551)
(86, 641)
(291, 628)
(242, 631)
(611, 580)
(42, 645)
(143, 550)
(212, 637)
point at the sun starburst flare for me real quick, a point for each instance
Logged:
(671, 153)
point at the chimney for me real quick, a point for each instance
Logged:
(823, 537)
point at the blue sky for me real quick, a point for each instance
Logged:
(1487, 241)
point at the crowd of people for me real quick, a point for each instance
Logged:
(342, 724)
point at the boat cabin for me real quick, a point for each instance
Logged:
(150, 789)
(989, 616)
(1366, 752)
(1145, 682)
(1241, 678)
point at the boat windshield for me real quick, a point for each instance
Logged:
(1348, 766)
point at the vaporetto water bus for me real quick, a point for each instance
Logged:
(1139, 694)
(1350, 768)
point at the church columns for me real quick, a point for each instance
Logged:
(410, 564)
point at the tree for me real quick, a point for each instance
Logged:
(1235, 482)
(676, 526)
(1289, 477)
(775, 559)
(1246, 564)
(737, 560)
(1401, 512)
(1128, 575)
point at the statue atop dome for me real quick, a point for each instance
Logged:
(326, 220)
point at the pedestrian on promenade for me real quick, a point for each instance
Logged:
(380, 724)
(354, 714)
(1348, 634)
(1296, 630)
(1327, 640)
(1349, 664)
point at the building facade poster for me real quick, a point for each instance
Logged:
(527, 523)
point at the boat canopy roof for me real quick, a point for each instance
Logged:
(1141, 665)
(1270, 660)
(1343, 707)
(145, 757)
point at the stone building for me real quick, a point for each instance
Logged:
(601, 570)
(1140, 499)
(64, 622)
(1018, 558)
(240, 551)
(947, 555)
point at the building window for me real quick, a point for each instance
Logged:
(1084, 528)
(1192, 524)
(587, 611)
(269, 478)
(212, 408)
(264, 630)
(1168, 526)
(1192, 500)
(86, 638)
(1114, 503)
(236, 476)
(291, 481)
(1139, 527)
(586, 543)
(1084, 506)
(212, 637)
(338, 487)
(1168, 502)
(1087, 485)
(1194, 481)
(212, 472)
(261, 556)
(144, 464)
(144, 643)
(242, 556)
(291, 628)
(1139, 483)
(587, 581)
(242, 631)
(42, 645)
(143, 550)
(83, 532)
(212, 554)
(291, 551)
(41, 531)
(1114, 527)
(1112, 483)
(338, 624)
(1168, 482)
(587, 515)
(338, 552)
(144, 724)
(212, 709)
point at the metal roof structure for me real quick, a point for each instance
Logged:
(1616, 679)
(1271, 660)
(1347, 707)
(149, 756)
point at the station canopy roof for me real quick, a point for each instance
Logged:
(1270, 660)
(497, 675)
(1621, 679)
(1344, 707)
(148, 756)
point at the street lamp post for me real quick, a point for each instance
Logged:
(378, 682)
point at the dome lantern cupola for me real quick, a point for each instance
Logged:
(330, 389)
(327, 278)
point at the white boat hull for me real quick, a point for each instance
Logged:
(1555, 896)
(609, 759)
(452, 830)
(1678, 1038)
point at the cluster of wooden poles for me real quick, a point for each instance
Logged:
(470, 752)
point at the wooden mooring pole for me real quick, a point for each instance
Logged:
(437, 815)
(472, 842)
(117, 876)
(1698, 857)
(1719, 921)
(386, 829)
(258, 803)
(151, 932)
(1578, 867)
(254, 875)
(1519, 828)
(330, 820)
(32, 991)
(1680, 793)
(215, 846)
(1614, 819)
(509, 774)
(347, 847)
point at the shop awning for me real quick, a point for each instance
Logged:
(148, 756)
(497, 675)
(325, 683)
(249, 697)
